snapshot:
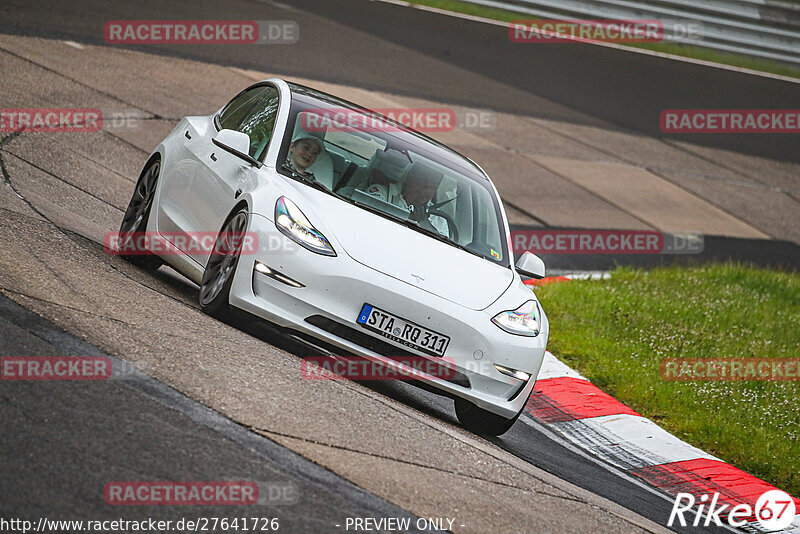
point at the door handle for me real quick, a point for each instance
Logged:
(213, 157)
(187, 135)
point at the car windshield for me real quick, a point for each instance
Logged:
(372, 162)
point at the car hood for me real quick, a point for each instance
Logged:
(413, 257)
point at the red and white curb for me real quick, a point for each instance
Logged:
(571, 407)
(568, 275)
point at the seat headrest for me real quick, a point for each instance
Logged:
(391, 163)
(425, 173)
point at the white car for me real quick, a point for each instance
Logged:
(372, 239)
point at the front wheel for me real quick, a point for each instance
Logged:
(218, 277)
(481, 421)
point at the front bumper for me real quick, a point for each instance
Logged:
(335, 289)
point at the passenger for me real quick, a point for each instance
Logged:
(303, 153)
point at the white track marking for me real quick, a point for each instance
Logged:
(629, 441)
(552, 367)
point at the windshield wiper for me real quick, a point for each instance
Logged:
(436, 235)
(310, 180)
(375, 210)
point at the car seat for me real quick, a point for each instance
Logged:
(391, 163)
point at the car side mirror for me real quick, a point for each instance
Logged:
(530, 264)
(237, 143)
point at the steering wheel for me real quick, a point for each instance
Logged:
(451, 223)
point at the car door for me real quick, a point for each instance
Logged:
(221, 176)
(177, 182)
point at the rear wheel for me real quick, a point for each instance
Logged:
(218, 277)
(135, 219)
(481, 421)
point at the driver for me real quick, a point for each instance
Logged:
(417, 193)
(417, 196)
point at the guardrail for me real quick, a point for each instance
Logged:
(760, 28)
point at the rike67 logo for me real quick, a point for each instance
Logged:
(774, 511)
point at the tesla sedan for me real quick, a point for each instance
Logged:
(350, 231)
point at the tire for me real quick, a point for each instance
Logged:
(138, 212)
(481, 421)
(215, 288)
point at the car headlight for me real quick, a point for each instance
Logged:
(524, 321)
(294, 225)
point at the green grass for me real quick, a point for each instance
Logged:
(617, 331)
(690, 51)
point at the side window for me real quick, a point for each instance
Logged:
(237, 109)
(253, 112)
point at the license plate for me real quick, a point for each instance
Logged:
(403, 331)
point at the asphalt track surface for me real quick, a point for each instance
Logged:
(73, 467)
(63, 442)
(362, 43)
